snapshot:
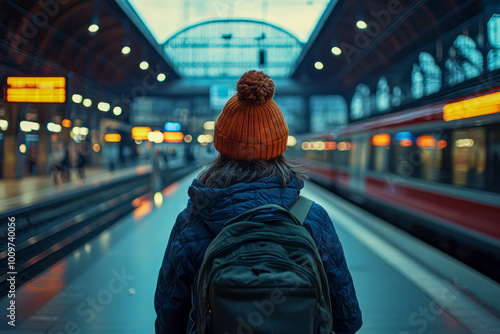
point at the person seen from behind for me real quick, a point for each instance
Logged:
(250, 171)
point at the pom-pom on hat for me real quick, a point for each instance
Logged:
(251, 126)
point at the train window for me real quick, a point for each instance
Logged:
(420, 155)
(431, 155)
(403, 152)
(343, 152)
(379, 155)
(469, 157)
(494, 39)
(494, 157)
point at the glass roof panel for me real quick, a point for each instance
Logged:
(229, 48)
(164, 18)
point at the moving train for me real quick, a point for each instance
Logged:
(432, 170)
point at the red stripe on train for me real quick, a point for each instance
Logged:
(334, 175)
(476, 216)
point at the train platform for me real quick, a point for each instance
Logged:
(35, 189)
(403, 285)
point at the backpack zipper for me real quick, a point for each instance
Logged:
(280, 263)
(211, 256)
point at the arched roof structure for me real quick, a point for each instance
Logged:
(228, 48)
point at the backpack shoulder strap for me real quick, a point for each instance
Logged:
(300, 209)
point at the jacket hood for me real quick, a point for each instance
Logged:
(216, 206)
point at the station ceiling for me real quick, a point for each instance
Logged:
(53, 38)
(396, 28)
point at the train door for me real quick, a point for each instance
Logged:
(359, 157)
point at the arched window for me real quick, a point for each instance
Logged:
(417, 82)
(431, 72)
(327, 111)
(494, 38)
(464, 62)
(360, 103)
(383, 96)
(396, 96)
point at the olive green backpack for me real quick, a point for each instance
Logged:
(263, 277)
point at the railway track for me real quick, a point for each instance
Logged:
(47, 232)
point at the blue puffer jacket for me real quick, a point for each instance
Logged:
(196, 226)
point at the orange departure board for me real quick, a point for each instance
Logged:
(36, 89)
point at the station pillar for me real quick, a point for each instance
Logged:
(43, 143)
(13, 165)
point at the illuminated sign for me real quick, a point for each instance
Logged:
(172, 126)
(173, 137)
(36, 89)
(112, 137)
(140, 132)
(477, 106)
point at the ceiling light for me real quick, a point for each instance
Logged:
(144, 65)
(336, 50)
(126, 50)
(361, 24)
(318, 65)
(52, 127)
(93, 28)
(77, 98)
(161, 77)
(103, 106)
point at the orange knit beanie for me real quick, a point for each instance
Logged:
(251, 126)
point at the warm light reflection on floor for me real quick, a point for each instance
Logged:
(142, 210)
(40, 290)
(171, 189)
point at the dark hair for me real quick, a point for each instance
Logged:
(224, 171)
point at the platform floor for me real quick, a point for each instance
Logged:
(32, 189)
(403, 285)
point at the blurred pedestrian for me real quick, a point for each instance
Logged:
(32, 159)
